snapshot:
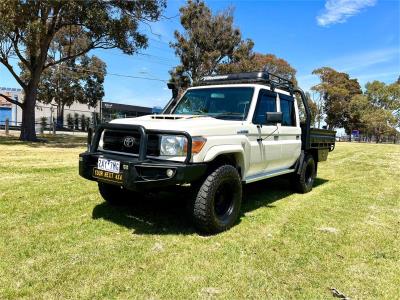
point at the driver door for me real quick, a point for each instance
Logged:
(264, 138)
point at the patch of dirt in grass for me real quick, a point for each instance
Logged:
(329, 230)
(158, 247)
(209, 292)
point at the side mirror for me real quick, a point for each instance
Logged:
(174, 88)
(273, 117)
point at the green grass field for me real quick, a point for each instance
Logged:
(58, 239)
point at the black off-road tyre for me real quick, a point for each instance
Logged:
(217, 204)
(114, 195)
(303, 182)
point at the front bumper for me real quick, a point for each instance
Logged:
(143, 174)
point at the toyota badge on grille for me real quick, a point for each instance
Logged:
(129, 141)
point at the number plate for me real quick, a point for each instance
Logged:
(108, 165)
(107, 176)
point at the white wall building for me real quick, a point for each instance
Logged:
(13, 112)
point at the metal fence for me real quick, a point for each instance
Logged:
(39, 128)
(387, 139)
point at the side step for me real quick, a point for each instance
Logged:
(265, 175)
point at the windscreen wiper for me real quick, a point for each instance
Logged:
(227, 114)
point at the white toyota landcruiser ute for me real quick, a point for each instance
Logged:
(227, 131)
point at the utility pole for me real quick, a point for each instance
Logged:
(53, 125)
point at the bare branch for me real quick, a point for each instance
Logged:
(65, 58)
(11, 100)
(16, 50)
(94, 45)
(5, 62)
(5, 48)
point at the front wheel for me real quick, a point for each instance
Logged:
(217, 204)
(304, 181)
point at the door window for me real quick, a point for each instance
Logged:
(287, 109)
(266, 103)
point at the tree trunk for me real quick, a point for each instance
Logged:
(28, 132)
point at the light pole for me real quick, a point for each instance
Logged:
(52, 117)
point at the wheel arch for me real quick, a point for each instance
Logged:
(227, 154)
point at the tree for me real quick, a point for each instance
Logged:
(207, 40)
(385, 96)
(28, 28)
(336, 90)
(77, 80)
(245, 61)
(319, 110)
(377, 109)
(313, 108)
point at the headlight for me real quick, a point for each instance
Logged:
(172, 145)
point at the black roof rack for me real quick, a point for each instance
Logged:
(262, 77)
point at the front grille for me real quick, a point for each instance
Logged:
(113, 140)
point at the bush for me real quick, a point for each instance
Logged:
(83, 122)
(88, 121)
(43, 124)
(76, 121)
(70, 121)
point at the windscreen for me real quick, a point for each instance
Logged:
(223, 103)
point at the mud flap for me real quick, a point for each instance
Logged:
(300, 162)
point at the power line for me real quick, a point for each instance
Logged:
(77, 69)
(113, 74)
(155, 56)
(159, 41)
(162, 61)
(163, 49)
(137, 58)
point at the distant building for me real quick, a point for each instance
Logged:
(109, 110)
(13, 112)
(7, 110)
(49, 111)
(157, 110)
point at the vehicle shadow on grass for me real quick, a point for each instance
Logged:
(167, 213)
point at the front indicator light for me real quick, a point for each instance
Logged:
(198, 144)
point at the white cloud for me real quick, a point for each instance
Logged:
(364, 60)
(338, 11)
(380, 64)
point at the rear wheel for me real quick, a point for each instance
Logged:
(303, 182)
(217, 204)
(116, 195)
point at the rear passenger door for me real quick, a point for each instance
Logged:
(289, 132)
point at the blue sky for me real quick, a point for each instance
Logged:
(361, 37)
